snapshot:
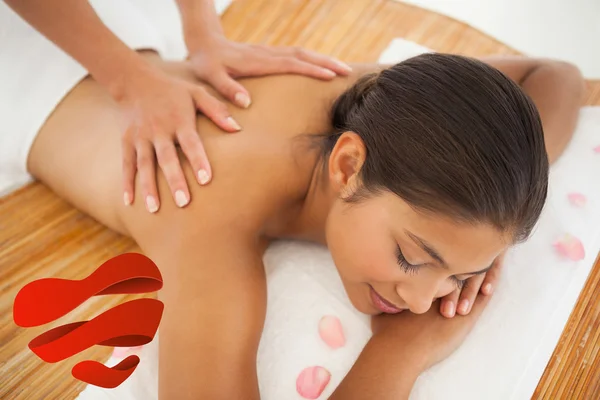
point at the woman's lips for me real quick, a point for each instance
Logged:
(382, 304)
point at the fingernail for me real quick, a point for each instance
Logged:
(242, 99)
(488, 288)
(181, 198)
(344, 65)
(329, 73)
(449, 309)
(233, 124)
(203, 177)
(126, 198)
(151, 204)
(464, 306)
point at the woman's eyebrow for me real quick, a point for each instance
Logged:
(427, 248)
(433, 253)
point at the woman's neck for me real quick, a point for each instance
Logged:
(312, 218)
(307, 220)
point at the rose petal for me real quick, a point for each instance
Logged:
(331, 331)
(577, 199)
(122, 352)
(597, 149)
(312, 381)
(571, 247)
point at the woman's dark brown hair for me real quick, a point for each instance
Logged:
(449, 135)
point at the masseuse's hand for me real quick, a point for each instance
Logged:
(461, 300)
(218, 61)
(160, 111)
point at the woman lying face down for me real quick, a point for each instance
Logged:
(440, 165)
(417, 177)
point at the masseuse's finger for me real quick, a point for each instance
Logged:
(468, 294)
(214, 109)
(229, 88)
(192, 147)
(293, 65)
(448, 304)
(147, 171)
(322, 60)
(169, 163)
(129, 169)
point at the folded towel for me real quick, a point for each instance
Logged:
(505, 355)
(565, 30)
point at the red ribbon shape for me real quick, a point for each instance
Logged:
(130, 324)
(48, 299)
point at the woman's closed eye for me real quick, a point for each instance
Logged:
(413, 269)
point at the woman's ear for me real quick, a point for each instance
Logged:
(345, 161)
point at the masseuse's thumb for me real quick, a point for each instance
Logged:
(230, 88)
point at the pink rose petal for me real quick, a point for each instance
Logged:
(597, 149)
(571, 247)
(331, 331)
(312, 381)
(577, 199)
(123, 352)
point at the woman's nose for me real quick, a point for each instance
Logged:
(419, 306)
(418, 299)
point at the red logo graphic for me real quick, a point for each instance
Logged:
(129, 324)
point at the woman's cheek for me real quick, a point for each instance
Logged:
(380, 268)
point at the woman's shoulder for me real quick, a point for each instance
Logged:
(262, 169)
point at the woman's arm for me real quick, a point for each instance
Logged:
(214, 288)
(215, 302)
(402, 347)
(556, 88)
(384, 370)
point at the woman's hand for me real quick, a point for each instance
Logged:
(401, 348)
(428, 338)
(218, 61)
(161, 110)
(461, 300)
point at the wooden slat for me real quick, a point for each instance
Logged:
(42, 236)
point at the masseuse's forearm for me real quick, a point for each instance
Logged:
(74, 26)
(200, 22)
(381, 372)
(557, 90)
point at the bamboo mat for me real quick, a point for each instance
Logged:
(42, 236)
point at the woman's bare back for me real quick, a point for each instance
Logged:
(210, 252)
(78, 152)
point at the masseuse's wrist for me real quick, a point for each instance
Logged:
(201, 41)
(131, 69)
(201, 24)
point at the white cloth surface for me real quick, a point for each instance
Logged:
(505, 355)
(35, 74)
(566, 30)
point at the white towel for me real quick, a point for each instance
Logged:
(568, 30)
(505, 355)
